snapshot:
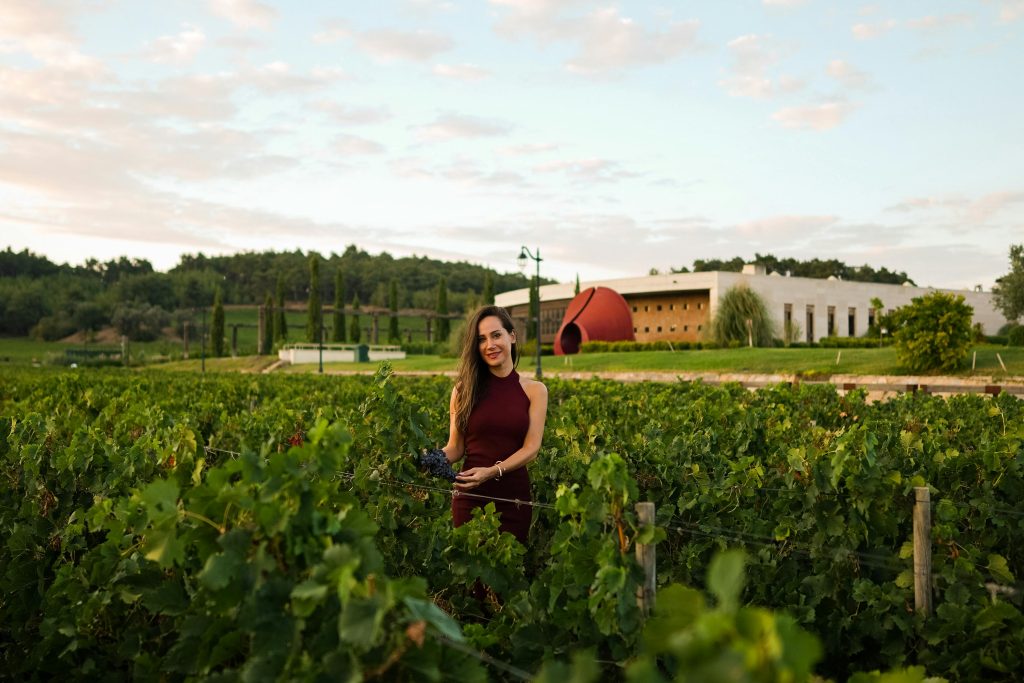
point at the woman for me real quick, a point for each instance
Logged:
(497, 422)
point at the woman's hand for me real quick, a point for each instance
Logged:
(473, 477)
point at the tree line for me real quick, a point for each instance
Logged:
(816, 268)
(51, 301)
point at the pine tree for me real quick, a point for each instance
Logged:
(488, 296)
(393, 335)
(314, 311)
(338, 332)
(280, 321)
(268, 324)
(443, 324)
(217, 326)
(354, 332)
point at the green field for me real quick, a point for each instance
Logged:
(756, 361)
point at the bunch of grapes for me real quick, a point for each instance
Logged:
(436, 463)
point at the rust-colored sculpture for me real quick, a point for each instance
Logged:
(595, 314)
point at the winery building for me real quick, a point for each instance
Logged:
(678, 306)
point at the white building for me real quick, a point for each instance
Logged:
(678, 306)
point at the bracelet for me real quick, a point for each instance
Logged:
(501, 472)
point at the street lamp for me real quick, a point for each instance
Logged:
(525, 254)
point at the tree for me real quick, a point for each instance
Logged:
(217, 326)
(487, 298)
(394, 336)
(443, 324)
(355, 333)
(268, 323)
(314, 311)
(577, 290)
(933, 332)
(742, 317)
(338, 331)
(280, 321)
(1008, 292)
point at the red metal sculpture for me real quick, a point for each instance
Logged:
(595, 314)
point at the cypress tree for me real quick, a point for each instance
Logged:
(268, 324)
(577, 283)
(217, 326)
(338, 332)
(280, 321)
(488, 296)
(354, 332)
(314, 311)
(443, 324)
(393, 335)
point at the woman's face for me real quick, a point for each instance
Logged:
(494, 342)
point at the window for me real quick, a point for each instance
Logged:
(671, 307)
(700, 327)
(647, 329)
(646, 308)
(699, 305)
(686, 307)
(686, 328)
(851, 321)
(634, 330)
(634, 309)
(659, 307)
(672, 328)
(659, 328)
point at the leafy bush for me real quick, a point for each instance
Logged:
(423, 348)
(630, 346)
(742, 316)
(1016, 336)
(853, 342)
(933, 332)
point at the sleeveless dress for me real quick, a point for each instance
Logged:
(497, 428)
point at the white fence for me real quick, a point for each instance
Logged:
(336, 353)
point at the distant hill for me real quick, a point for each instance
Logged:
(57, 300)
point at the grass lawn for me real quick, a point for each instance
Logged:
(758, 361)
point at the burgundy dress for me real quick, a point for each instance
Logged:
(497, 428)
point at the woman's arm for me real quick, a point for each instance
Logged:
(538, 395)
(456, 447)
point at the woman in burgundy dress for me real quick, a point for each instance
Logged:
(497, 422)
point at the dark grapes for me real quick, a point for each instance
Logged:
(435, 462)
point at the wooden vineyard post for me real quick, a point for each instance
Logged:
(645, 556)
(922, 550)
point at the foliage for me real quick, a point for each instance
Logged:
(140, 322)
(280, 320)
(815, 268)
(217, 327)
(314, 310)
(853, 342)
(354, 332)
(741, 316)
(338, 331)
(1008, 292)
(394, 336)
(443, 324)
(1015, 337)
(268, 324)
(133, 546)
(933, 332)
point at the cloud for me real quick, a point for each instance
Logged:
(784, 227)
(1010, 10)
(461, 72)
(354, 116)
(814, 117)
(610, 42)
(752, 58)
(936, 23)
(353, 145)
(177, 49)
(389, 46)
(972, 212)
(607, 41)
(924, 203)
(529, 148)
(987, 207)
(456, 126)
(43, 31)
(587, 170)
(848, 75)
(783, 3)
(334, 30)
(244, 13)
(872, 31)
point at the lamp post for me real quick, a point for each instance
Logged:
(525, 254)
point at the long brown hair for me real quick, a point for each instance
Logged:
(473, 371)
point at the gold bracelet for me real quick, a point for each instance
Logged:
(501, 472)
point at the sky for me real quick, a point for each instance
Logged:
(611, 138)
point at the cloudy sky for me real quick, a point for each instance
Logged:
(614, 136)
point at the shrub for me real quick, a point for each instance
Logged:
(1016, 336)
(933, 332)
(853, 342)
(742, 316)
